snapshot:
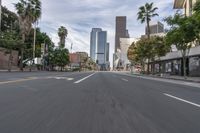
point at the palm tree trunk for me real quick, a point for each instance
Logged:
(148, 29)
(62, 42)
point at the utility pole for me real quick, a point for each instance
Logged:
(34, 41)
(70, 57)
(71, 47)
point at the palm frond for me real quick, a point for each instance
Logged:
(149, 6)
(153, 10)
(154, 14)
(146, 12)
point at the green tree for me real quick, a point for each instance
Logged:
(29, 12)
(197, 7)
(41, 38)
(145, 14)
(141, 52)
(59, 57)
(9, 35)
(160, 47)
(181, 34)
(62, 33)
(146, 50)
(195, 18)
(132, 54)
(9, 21)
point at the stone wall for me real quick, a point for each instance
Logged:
(4, 58)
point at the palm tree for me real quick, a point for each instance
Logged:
(29, 11)
(145, 14)
(62, 33)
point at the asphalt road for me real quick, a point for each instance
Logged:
(96, 103)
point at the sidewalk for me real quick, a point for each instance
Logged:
(181, 78)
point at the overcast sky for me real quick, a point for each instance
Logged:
(80, 16)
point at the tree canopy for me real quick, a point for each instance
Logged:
(62, 33)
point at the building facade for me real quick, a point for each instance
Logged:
(120, 57)
(107, 51)
(172, 63)
(107, 56)
(99, 48)
(155, 28)
(93, 42)
(125, 44)
(186, 5)
(78, 59)
(120, 31)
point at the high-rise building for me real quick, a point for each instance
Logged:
(107, 52)
(121, 31)
(155, 28)
(99, 48)
(93, 42)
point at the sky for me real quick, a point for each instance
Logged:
(80, 16)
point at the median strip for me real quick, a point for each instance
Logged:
(194, 104)
(83, 78)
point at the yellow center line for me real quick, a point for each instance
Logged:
(19, 80)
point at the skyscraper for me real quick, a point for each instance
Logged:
(121, 31)
(101, 47)
(93, 42)
(107, 52)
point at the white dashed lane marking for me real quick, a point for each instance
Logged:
(125, 79)
(180, 99)
(84, 78)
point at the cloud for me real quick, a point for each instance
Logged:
(80, 16)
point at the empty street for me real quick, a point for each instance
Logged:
(96, 102)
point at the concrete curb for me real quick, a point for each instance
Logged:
(172, 78)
